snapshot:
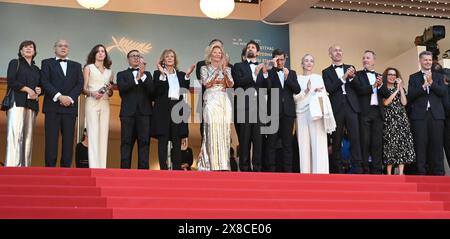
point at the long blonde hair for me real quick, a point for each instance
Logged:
(209, 50)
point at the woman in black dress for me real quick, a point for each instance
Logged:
(398, 146)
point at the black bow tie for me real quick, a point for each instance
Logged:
(336, 66)
(278, 69)
(251, 62)
(373, 72)
(62, 60)
(134, 69)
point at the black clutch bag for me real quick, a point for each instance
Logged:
(8, 101)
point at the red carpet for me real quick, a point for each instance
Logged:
(114, 193)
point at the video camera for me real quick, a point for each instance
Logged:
(430, 38)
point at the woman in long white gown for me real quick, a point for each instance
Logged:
(217, 111)
(311, 108)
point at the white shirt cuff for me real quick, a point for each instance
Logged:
(143, 77)
(266, 75)
(186, 77)
(71, 100)
(55, 98)
(162, 77)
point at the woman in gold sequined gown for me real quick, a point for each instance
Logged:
(217, 111)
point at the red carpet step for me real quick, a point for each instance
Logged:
(114, 193)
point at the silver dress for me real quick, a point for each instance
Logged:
(217, 114)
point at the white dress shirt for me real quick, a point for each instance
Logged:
(281, 76)
(64, 69)
(174, 86)
(374, 97)
(340, 73)
(428, 90)
(253, 68)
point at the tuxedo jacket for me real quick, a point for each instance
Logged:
(286, 93)
(365, 90)
(418, 97)
(53, 81)
(162, 112)
(136, 98)
(243, 78)
(333, 85)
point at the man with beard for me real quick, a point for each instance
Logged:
(248, 80)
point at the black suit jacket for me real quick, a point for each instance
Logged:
(364, 90)
(54, 81)
(162, 113)
(243, 78)
(135, 97)
(418, 97)
(447, 101)
(25, 75)
(333, 85)
(286, 93)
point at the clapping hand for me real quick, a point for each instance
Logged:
(379, 81)
(350, 73)
(190, 70)
(308, 87)
(160, 68)
(429, 78)
(286, 72)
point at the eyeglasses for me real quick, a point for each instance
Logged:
(135, 56)
(392, 74)
(63, 45)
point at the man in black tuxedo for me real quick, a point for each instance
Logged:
(285, 81)
(447, 122)
(245, 76)
(339, 83)
(426, 92)
(135, 88)
(62, 80)
(371, 91)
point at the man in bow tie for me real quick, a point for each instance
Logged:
(426, 92)
(248, 80)
(62, 80)
(371, 91)
(339, 83)
(136, 87)
(283, 80)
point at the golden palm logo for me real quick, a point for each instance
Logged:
(125, 45)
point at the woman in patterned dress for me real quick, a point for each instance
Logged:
(398, 146)
(216, 77)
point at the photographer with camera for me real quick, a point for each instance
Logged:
(135, 86)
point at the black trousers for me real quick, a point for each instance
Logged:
(55, 123)
(428, 136)
(347, 119)
(447, 139)
(286, 125)
(163, 142)
(371, 129)
(250, 140)
(132, 129)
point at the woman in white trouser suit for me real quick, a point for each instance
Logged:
(311, 134)
(97, 87)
